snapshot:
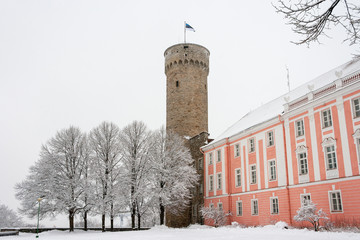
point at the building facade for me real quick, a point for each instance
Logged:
(187, 69)
(304, 145)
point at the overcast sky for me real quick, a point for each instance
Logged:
(80, 63)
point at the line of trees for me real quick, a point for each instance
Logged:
(109, 171)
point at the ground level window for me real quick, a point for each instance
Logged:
(220, 206)
(254, 207)
(239, 208)
(274, 205)
(335, 201)
(305, 199)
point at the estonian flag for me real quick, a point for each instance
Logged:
(188, 27)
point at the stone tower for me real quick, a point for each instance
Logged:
(186, 69)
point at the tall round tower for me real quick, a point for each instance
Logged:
(186, 69)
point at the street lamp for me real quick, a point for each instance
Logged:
(37, 230)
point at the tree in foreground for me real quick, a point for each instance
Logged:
(173, 173)
(57, 177)
(105, 146)
(308, 212)
(217, 215)
(9, 218)
(310, 18)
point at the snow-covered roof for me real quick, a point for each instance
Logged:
(275, 107)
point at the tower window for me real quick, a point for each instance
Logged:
(177, 83)
(186, 47)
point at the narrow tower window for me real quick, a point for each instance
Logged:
(177, 83)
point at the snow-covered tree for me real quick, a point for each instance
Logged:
(217, 215)
(9, 218)
(135, 145)
(57, 177)
(105, 145)
(308, 212)
(310, 18)
(173, 172)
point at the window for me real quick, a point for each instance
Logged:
(254, 207)
(237, 150)
(299, 128)
(272, 170)
(274, 205)
(238, 177)
(335, 201)
(303, 165)
(218, 181)
(251, 145)
(330, 157)
(211, 205)
(356, 107)
(177, 83)
(305, 199)
(210, 158)
(239, 208)
(253, 174)
(220, 206)
(219, 155)
(326, 118)
(270, 138)
(211, 183)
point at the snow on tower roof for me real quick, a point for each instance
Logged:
(275, 107)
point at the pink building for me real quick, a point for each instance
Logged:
(303, 145)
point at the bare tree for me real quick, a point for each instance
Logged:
(135, 142)
(310, 18)
(9, 218)
(174, 174)
(105, 145)
(57, 177)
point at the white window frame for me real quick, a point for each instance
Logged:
(356, 107)
(305, 198)
(218, 155)
(211, 183)
(239, 213)
(253, 212)
(218, 181)
(274, 205)
(300, 164)
(252, 173)
(237, 150)
(211, 205)
(211, 158)
(220, 206)
(299, 129)
(251, 145)
(237, 177)
(326, 118)
(272, 170)
(339, 202)
(270, 138)
(333, 158)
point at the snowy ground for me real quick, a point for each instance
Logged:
(196, 233)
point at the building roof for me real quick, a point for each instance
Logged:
(275, 107)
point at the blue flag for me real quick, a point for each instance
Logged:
(188, 27)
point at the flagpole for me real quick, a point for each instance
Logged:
(184, 32)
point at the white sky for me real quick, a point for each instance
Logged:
(79, 63)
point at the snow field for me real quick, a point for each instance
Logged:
(269, 232)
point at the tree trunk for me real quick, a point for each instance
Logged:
(133, 208)
(85, 221)
(139, 220)
(162, 213)
(112, 217)
(103, 222)
(71, 220)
